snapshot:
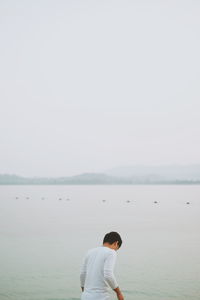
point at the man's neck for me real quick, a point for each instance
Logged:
(108, 245)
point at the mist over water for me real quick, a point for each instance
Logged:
(46, 231)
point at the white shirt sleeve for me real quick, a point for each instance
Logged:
(108, 270)
(83, 272)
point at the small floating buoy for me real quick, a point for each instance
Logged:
(187, 202)
(155, 202)
(128, 201)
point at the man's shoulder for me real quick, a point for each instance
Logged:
(104, 250)
(107, 251)
(93, 250)
(100, 249)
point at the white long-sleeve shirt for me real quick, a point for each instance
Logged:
(97, 273)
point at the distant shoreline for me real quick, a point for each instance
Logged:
(98, 179)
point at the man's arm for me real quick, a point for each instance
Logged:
(109, 275)
(83, 273)
(108, 270)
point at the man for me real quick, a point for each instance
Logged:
(97, 270)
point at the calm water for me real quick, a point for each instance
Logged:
(43, 239)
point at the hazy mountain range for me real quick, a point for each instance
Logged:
(167, 172)
(171, 174)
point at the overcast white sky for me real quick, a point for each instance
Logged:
(89, 85)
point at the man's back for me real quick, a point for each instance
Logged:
(97, 270)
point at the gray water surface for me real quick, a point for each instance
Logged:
(46, 231)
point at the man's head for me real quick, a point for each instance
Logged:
(112, 240)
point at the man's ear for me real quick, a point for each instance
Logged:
(116, 244)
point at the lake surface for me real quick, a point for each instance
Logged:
(46, 231)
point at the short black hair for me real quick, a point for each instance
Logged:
(112, 237)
